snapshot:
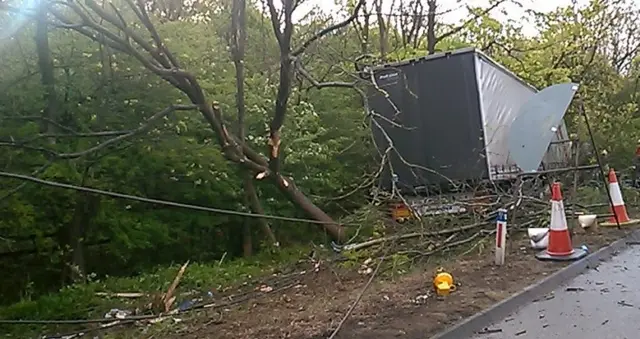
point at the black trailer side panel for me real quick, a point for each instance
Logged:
(441, 106)
(450, 117)
(391, 98)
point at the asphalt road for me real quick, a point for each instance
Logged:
(603, 303)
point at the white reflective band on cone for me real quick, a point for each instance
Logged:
(558, 217)
(616, 195)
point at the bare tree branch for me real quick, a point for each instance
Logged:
(319, 85)
(475, 17)
(329, 29)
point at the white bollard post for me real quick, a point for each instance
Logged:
(501, 236)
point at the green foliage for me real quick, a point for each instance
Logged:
(177, 160)
(80, 300)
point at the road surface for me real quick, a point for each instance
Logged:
(603, 303)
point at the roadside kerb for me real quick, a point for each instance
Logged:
(469, 327)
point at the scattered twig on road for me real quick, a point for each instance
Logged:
(574, 289)
(121, 294)
(373, 242)
(490, 331)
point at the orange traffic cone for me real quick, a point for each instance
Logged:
(560, 247)
(618, 208)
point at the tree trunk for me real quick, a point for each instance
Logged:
(247, 239)
(73, 237)
(362, 28)
(325, 222)
(256, 207)
(76, 271)
(238, 43)
(431, 26)
(45, 66)
(383, 31)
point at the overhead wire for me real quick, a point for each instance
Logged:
(164, 202)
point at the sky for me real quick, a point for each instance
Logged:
(453, 8)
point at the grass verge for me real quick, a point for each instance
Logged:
(80, 301)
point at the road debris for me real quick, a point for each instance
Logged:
(115, 313)
(490, 331)
(265, 289)
(365, 268)
(443, 283)
(169, 297)
(121, 295)
(421, 299)
(574, 289)
(623, 303)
